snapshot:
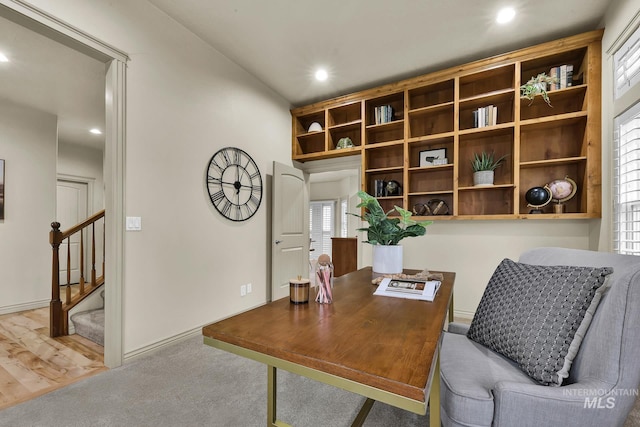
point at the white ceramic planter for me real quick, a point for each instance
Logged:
(387, 259)
(483, 178)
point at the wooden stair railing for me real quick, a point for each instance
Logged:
(59, 310)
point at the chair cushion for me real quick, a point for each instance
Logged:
(468, 374)
(537, 315)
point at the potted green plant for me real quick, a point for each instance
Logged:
(484, 166)
(385, 232)
(537, 86)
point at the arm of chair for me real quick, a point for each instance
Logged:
(458, 328)
(535, 405)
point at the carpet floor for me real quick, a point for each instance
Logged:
(192, 384)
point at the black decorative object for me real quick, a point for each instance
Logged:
(538, 198)
(234, 184)
(392, 188)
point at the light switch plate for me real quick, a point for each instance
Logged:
(134, 223)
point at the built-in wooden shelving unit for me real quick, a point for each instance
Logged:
(436, 111)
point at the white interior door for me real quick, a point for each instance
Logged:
(71, 209)
(289, 228)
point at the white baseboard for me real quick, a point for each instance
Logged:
(8, 309)
(151, 348)
(143, 351)
(467, 315)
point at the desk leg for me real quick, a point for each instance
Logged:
(272, 385)
(434, 396)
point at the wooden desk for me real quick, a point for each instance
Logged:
(383, 348)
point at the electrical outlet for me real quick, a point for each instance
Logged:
(243, 290)
(249, 288)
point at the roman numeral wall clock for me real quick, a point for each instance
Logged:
(234, 184)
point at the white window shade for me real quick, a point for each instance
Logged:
(321, 227)
(627, 182)
(627, 65)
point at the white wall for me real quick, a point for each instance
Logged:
(28, 146)
(184, 102)
(86, 163)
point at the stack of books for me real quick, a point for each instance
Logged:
(563, 75)
(485, 116)
(425, 290)
(383, 114)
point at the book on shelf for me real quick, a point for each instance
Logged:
(383, 114)
(563, 75)
(485, 116)
(424, 290)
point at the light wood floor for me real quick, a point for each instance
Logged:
(32, 363)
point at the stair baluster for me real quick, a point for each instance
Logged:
(59, 311)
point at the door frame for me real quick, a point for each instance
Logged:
(334, 165)
(90, 211)
(115, 61)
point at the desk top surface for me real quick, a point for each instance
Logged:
(383, 342)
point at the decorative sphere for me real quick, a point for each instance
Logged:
(562, 189)
(537, 197)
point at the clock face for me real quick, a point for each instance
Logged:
(234, 184)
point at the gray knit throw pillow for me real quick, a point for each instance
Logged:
(537, 315)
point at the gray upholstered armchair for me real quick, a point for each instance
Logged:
(480, 387)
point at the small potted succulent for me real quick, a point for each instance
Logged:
(484, 166)
(537, 86)
(385, 232)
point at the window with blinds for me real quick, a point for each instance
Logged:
(626, 197)
(626, 156)
(321, 220)
(627, 65)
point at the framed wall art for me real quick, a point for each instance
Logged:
(433, 157)
(1, 189)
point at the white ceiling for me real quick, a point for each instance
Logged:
(365, 43)
(47, 76)
(362, 43)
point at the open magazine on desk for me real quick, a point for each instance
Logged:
(408, 288)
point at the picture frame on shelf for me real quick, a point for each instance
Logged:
(433, 157)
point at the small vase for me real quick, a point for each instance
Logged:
(483, 178)
(387, 259)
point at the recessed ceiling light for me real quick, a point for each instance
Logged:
(321, 75)
(3, 57)
(96, 131)
(505, 15)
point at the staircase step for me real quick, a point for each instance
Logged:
(90, 324)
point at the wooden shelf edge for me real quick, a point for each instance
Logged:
(388, 124)
(310, 134)
(430, 168)
(431, 138)
(488, 187)
(345, 125)
(328, 154)
(491, 94)
(430, 108)
(398, 142)
(551, 162)
(554, 118)
(498, 127)
(389, 169)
